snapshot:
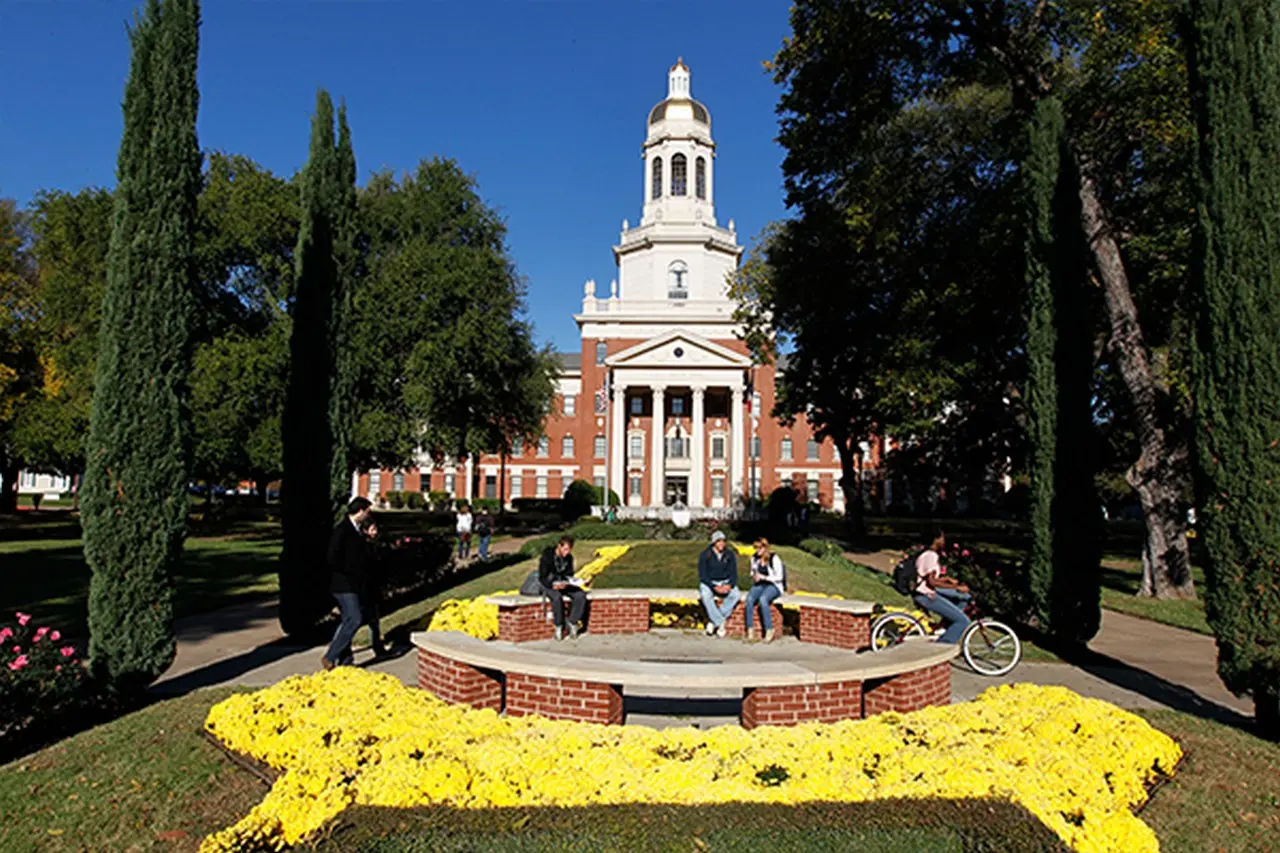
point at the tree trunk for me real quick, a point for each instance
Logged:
(851, 484)
(9, 493)
(1160, 473)
(502, 485)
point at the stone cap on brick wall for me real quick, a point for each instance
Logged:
(860, 608)
(840, 665)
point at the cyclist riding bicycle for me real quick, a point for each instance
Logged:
(940, 594)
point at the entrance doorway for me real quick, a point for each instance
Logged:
(677, 491)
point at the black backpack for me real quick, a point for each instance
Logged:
(905, 578)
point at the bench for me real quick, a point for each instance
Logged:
(519, 680)
(828, 621)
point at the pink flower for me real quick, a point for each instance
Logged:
(67, 651)
(18, 663)
(23, 618)
(5, 633)
(40, 632)
(965, 553)
(55, 635)
(58, 668)
(17, 650)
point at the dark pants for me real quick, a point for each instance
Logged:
(339, 651)
(371, 617)
(577, 604)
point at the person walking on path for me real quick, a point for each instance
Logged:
(768, 581)
(555, 574)
(940, 594)
(718, 578)
(349, 559)
(484, 530)
(463, 528)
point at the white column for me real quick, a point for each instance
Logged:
(656, 456)
(697, 461)
(466, 490)
(617, 461)
(737, 455)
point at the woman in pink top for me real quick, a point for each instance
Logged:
(940, 594)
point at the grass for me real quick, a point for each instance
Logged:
(148, 781)
(1120, 580)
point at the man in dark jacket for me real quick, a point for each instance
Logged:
(349, 560)
(718, 578)
(555, 573)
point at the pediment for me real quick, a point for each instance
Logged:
(678, 349)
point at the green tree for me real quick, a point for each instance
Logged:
(313, 428)
(19, 366)
(134, 504)
(1236, 81)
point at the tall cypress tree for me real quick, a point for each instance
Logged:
(316, 478)
(1235, 78)
(1066, 525)
(134, 497)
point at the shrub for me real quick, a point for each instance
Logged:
(578, 499)
(821, 548)
(409, 562)
(440, 501)
(595, 530)
(999, 587)
(42, 679)
(535, 547)
(492, 505)
(550, 505)
(395, 499)
(414, 500)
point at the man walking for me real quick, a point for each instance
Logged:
(718, 578)
(348, 558)
(484, 530)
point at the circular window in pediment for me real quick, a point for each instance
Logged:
(679, 352)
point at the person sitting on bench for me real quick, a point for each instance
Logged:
(555, 573)
(718, 578)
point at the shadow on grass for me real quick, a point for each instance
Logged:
(889, 825)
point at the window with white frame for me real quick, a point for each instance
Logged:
(637, 405)
(786, 449)
(544, 446)
(636, 485)
(679, 175)
(517, 447)
(602, 350)
(542, 485)
(600, 447)
(811, 450)
(570, 405)
(517, 485)
(566, 447)
(755, 487)
(755, 447)
(397, 481)
(717, 447)
(677, 448)
(700, 177)
(636, 445)
(812, 491)
(375, 482)
(657, 177)
(677, 406)
(450, 481)
(598, 482)
(490, 486)
(717, 488)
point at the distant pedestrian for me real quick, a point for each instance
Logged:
(484, 530)
(463, 528)
(348, 558)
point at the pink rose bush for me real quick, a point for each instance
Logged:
(41, 680)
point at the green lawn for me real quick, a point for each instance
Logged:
(149, 781)
(1120, 579)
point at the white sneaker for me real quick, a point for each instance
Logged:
(722, 631)
(573, 632)
(711, 628)
(559, 632)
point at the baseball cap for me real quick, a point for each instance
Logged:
(717, 536)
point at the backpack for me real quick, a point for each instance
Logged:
(905, 577)
(532, 585)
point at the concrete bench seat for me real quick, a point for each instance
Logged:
(522, 679)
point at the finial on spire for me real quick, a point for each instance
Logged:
(613, 288)
(678, 80)
(589, 289)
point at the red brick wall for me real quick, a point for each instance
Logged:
(525, 622)
(618, 616)
(910, 691)
(835, 628)
(563, 699)
(803, 703)
(736, 626)
(457, 683)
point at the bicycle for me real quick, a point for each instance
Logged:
(995, 651)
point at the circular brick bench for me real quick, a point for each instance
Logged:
(827, 621)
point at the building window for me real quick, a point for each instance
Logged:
(677, 448)
(717, 447)
(786, 449)
(517, 447)
(542, 485)
(517, 485)
(637, 405)
(755, 447)
(717, 488)
(812, 491)
(397, 481)
(637, 445)
(602, 350)
(678, 280)
(490, 485)
(811, 450)
(600, 447)
(657, 177)
(544, 446)
(755, 404)
(635, 486)
(677, 406)
(700, 177)
(450, 482)
(755, 487)
(566, 447)
(679, 175)
(570, 405)
(375, 482)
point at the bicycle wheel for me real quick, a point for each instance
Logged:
(894, 627)
(991, 648)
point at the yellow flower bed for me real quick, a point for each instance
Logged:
(352, 737)
(479, 619)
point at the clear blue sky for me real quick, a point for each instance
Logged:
(544, 101)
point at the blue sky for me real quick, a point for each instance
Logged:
(544, 101)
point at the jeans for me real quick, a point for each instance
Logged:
(464, 545)
(762, 594)
(339, 651)
(719, 615)
(371, 617)
(577, 604)
(484, 547)
(949, 604)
